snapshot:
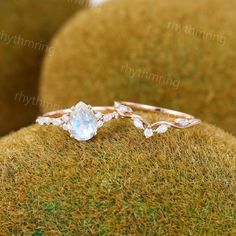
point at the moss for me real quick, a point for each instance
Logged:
(177, 54)
(178, 183)
(26, 28)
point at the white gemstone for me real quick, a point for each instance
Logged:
(124, 109)
(148, 132)
(66, 127)
(162, 129)
(182, 121)
(115, 115)
(83, 122)
(100, 124)
(56, 121)
(39, 121)
(138, 123)
(107, 117)
(43, 121)
(65, 118)
(98, 115)
(47, 121)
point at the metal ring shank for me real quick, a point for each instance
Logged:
(137, 106)
(101, 114)
(144, 107)
(59, 113)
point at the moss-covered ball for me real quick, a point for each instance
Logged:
(178, 54)
(119, 183)
(26, 28)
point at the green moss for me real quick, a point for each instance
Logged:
(177, 54)
(26, 28)
(178, 183)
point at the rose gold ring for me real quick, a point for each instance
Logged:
(82, 121)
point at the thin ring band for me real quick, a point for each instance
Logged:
(184, 121)
(150, 108)
(82, 120)
(58, 113)
(132, 105)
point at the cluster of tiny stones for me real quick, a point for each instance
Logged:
(64, 121)
(82, 122)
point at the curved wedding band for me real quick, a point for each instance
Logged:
(82, 121)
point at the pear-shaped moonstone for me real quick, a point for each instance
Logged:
(83, 122)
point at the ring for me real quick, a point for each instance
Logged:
(82, 121)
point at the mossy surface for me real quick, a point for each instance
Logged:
(119, 183)
(26, 27)
(177, 54)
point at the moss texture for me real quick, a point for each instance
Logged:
(178, 54)
(119, 183)
(26, 28)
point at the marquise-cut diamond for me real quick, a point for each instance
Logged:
(148, 132)
(56, 121)
(108, 117)
(65, 118)
(182, 121)
(162, 129)
(98, 115)
(124, 109)
(43, 121)
(39, 121)
(48, 121)
(83, 122)
(138, 123)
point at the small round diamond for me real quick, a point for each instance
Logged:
(138, 123)
(148, 132)
(66, 127)
(115, 115)
(162, 129)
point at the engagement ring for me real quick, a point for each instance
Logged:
(82, 121)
